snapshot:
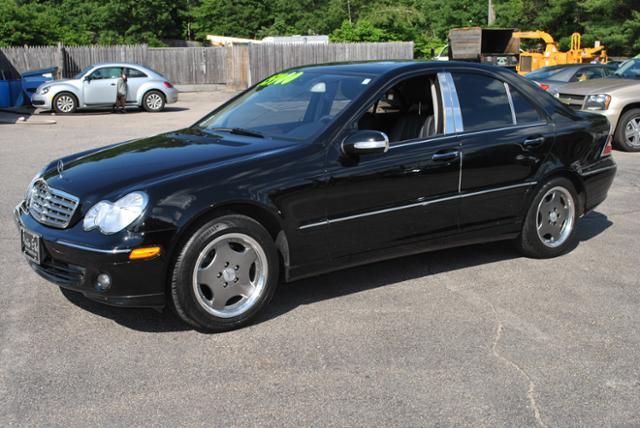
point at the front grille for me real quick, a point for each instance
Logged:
(50, 206)
(573, 101)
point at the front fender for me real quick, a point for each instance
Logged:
(65, 87)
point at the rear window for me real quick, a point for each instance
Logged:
(544, 73)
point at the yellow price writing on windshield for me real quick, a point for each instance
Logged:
(281, 78)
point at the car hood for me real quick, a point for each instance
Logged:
(596, 86)
(139, 164)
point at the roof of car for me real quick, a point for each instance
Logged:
(383, 67)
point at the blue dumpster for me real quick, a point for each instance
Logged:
(10, 93)
(34, 78)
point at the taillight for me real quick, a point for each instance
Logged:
(608, 147)
(544, 86)
(167, 85)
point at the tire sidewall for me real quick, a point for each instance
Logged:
(620, 139)
(183, 295)
(55, 103)
(144, 101)
(529, 242)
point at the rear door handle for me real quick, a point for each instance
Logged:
(112, 84)
(533, 142)
(446, 156)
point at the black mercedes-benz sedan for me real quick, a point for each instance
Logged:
(315, 169)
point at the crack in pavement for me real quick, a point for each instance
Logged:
(478, 300)
(532, 386)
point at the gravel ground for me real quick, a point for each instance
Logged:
(474, 336)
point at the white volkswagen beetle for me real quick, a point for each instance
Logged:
(95, 87)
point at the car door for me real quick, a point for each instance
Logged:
(401, 197)
(135, 79)
(504, 141)
(100, 86)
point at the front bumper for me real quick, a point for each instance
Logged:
(75, 266)
(41, 101)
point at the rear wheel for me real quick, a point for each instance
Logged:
(627, 135)
(65, 102)
(153, 101)
(226, 272)
(549, 227)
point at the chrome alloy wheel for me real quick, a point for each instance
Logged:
(230, 275)
(555, 217)
(154, 101)
(65, 103)
(632, 131)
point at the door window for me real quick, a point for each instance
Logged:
(407, 111)
(483, 101)
(106, 73)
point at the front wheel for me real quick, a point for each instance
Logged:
(153, 101)
(65, 103)
(549, 227)
(226, 272)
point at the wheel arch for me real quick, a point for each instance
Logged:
(145, 89)
(66, 90)
(570, 175)
(264, 216)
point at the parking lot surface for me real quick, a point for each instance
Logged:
(475, 336)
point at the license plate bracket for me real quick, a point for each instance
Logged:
(31, 244)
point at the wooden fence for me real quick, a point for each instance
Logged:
(266, 59)
(237, 65)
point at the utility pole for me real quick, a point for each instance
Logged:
(491, 14)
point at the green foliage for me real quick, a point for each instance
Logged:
(616, 23)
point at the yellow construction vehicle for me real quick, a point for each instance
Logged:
(532, 60)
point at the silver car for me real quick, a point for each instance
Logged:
(95, 86)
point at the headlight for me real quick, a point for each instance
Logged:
(36, 177)
(44, 90)
(112, 217)
(597, 102)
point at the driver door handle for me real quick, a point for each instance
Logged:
(446, 156)
(112, 84)
(533, 142)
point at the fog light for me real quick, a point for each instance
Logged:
(103, 282)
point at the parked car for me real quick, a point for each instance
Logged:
(95, 87)
(313, 170)
(617, 98)
(552, 77)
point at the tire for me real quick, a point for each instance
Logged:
(627, 136)
(153, 101)
(232, 257)
(549, 226)
(65, 102)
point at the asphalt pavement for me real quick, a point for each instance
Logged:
(475, 336)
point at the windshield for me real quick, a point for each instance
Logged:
(83, 72)
(629, 69)
(544, 73)
(290, 105)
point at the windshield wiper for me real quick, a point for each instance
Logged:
(239, 131)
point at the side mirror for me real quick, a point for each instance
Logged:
(87, 78)
(365, 142)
